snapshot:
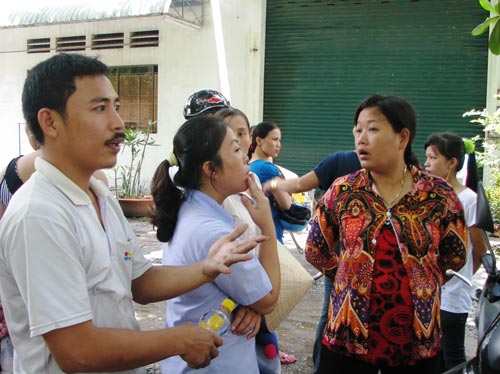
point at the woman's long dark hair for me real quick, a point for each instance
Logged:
(400, 115)
(452, 146)
(198, 140)
(260, 131)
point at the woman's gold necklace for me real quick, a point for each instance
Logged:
(391, 203)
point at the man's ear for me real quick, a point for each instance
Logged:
(49, 121)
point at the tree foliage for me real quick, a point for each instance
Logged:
(490, 22)
(490, 154)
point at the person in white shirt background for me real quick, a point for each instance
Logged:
(445, 153)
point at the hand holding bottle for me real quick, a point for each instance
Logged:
(218, 320)
(199, 346)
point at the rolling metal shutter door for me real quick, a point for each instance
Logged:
(324, 57)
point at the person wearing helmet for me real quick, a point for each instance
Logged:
(204, 101)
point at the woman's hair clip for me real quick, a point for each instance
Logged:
(469, 146)
(172, 160)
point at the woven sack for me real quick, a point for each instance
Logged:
(295, 282)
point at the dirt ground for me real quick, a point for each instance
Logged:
(295, 334)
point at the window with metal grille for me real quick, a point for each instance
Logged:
(41, 45)
(108, 41)
(70, 43)
(140, 39)
(137, 87)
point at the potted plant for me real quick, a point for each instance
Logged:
(132, 193)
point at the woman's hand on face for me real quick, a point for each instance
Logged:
(259, 207)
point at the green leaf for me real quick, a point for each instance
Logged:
(487, 5)
(483, 27)
(494, 42)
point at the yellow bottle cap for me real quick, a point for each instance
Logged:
(229, 304)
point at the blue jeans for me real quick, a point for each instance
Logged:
(322, 323)
(453, 339)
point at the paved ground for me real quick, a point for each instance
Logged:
(296, 333)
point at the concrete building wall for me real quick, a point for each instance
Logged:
(186, 59)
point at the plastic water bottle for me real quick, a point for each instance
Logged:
(218, 321)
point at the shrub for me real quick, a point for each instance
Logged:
(490, 155)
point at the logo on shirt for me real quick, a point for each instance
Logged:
(127, 256)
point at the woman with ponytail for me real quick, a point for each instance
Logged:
(189, 217)
(445, 154)
(398, 230)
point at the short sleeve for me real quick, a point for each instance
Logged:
(325, 171)
(247, 284)
(469, 202)
(248, 281)
(323, 236)
(453, 234)
(334, 166)
(41, 269)
(267, 171)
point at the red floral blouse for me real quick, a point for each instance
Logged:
(387, 272)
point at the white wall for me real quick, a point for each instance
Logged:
(186, 59)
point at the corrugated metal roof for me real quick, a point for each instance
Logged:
(91, 10)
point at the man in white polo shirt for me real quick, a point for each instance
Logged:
(70, 264)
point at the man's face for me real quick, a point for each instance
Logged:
(93, 129)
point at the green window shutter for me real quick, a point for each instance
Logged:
(324, 57)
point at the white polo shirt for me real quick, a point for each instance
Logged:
(59, 266)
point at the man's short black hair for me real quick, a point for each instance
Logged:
(51, 82)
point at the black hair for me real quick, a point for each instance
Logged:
(231, 112)
(261, 130)
(198, 140)
(400, 115)
(452, 146)
(51, 82)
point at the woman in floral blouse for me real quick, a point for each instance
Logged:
(399, 230)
